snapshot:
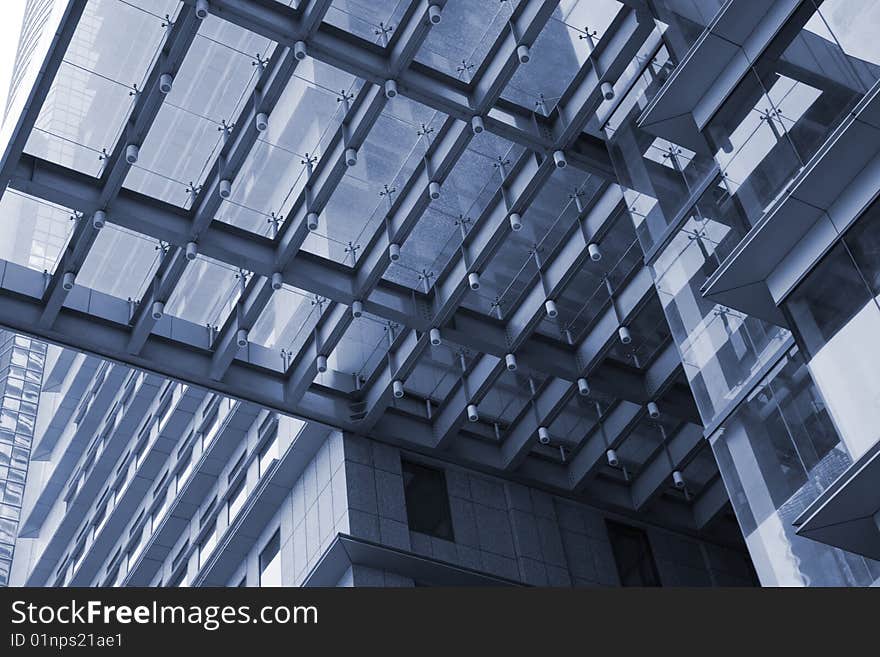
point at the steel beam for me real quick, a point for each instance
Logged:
(679, 450)
(711, 502)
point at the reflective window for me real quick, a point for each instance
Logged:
(633, 556)
(270, 561)
(427, 500)
(777, 452)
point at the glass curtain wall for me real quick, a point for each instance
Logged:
(21, 377)
(777, 448)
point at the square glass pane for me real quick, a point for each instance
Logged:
(38, 239)
(373, 20)
(459, 44)
(206, 292)
(213, 84)
(120, 263)
(287, 320)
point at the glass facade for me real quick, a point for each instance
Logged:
(21, 377)
(775, 442)
(835, 314)
(777, 452)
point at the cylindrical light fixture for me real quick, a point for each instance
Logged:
(594, 251)
(550, 308)
(299, 50)
(192, 250)
(132, 151)
(277, 280)
(321, 363)
(397, 389)
(624, 334)
(68, 280)
(312, 221)
(390, 89)
(434, 190)
(607, 90)
(99, 219)
(477, 125)
(523, 54)
(357, 308)
(515, 222)
(202, 8)
(559, 159)
(394, 252)
(678, 479)
(474, 280)
(510, 362)
(241, 338)
(434, 336)
(473, 415)
(583, 387)
(166, 82)
(262, 122)
(351, 157)
(434, 14)
(611, 455)
(225, 188)
(653, 410)
(158, 310)
(543, 435)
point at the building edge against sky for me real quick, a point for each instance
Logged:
(136, 480)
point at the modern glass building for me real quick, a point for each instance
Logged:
(447, 292)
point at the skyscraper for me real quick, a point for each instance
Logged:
(444, 292)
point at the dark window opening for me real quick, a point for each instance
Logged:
(427, 501)
(633, 556)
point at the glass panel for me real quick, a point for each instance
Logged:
(720, 346)
(80, 120)
(777, 452)
(392, 151)
(287, 320)
(837, 318)
(210, 89)
(105, 270)
(362, 348)
(373, 20)
(206, 293)
(459, 44)
(467, 191)
(559, 51)
(38, 238)
(95, 87)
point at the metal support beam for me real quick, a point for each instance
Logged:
(657, 471)
(711, 502)
(539, 412)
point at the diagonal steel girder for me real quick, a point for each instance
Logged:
(146, 108)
